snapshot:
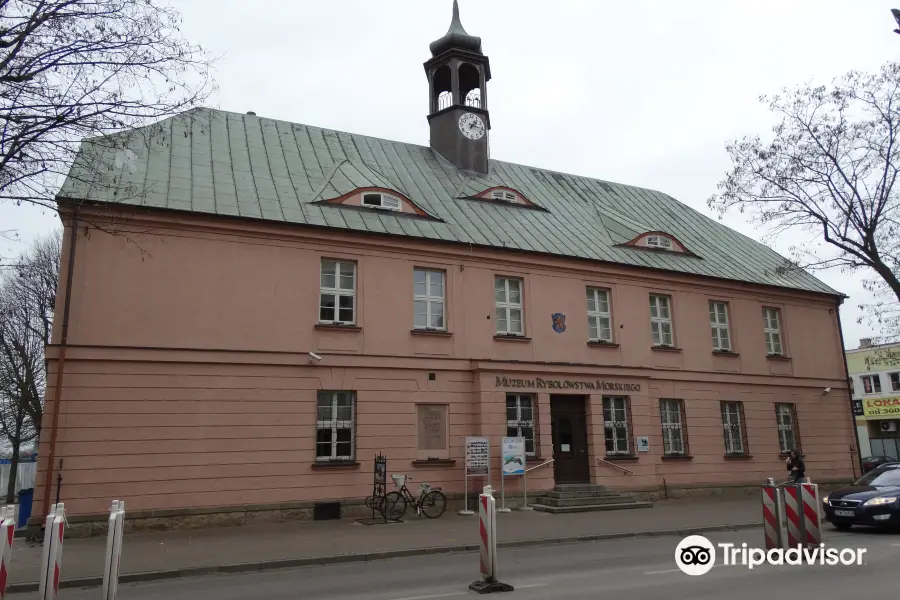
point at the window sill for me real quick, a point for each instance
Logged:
(665, 349)
(778, 357)
(725, 353)
(434, 462)
(738, 456)
(621, 457)
(337, 327)
(596, 344)
(511, 338)
(431, 332)
(677, 457)
(335, 464)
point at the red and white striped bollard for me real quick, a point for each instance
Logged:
(487, 534)
(771, 516)
(53, 547)
(792, 515)
(812, 514)
(7, 534)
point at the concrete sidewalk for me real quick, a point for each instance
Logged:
(148, 556)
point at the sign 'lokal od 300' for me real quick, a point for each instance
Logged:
(568, 384)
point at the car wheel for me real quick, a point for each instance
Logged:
(842, 526)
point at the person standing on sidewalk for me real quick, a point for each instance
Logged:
(796, 466)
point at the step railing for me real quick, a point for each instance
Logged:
(543, 464)
(614, 465)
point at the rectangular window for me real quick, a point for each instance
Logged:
(772, 328)
(335, 437)
(660, 320)
(733, 424)
(616, 425)
(337, 292)
(895, 381)
(657, 241)
(508, 296)
(599, 317)
(520, 420)
(871, 384)
(718, 322)
(671, 415)
(786, 417)
(428, 299)
(434, 438)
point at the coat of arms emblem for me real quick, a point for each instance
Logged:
(559, 322)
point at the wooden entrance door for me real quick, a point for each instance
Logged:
(568, 425)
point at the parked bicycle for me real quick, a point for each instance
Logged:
(431, 501)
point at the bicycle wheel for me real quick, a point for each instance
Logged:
(394, 506)
(434, 503)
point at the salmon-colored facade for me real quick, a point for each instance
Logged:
(188, 381)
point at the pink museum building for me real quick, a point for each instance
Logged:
(250, 310)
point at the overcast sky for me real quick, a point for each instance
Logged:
(638, 92)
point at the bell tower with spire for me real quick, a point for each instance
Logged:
(457, 86)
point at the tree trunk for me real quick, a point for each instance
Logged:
(13, 474)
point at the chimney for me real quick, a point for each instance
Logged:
(865, 342)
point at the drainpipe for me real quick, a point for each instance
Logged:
(57, 395)
(837, 308)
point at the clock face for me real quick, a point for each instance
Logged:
(472, 126)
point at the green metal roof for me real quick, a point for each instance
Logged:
(223, 163)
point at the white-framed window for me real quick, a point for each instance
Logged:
(503, 195)
(616, 426)
(895, 381)
(871, 384)
(599, 315)
(733, 426)
(671, 416)
(335, 435)
(718, 322)
(428, 299)
(520, 419)
(786, 417)
(508, 297)
(659, 241)
(772, 328)
(379, 200)
(337, 292)
(661, 320)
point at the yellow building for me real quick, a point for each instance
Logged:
(875, 386)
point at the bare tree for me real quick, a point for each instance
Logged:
(27, 298)
(830, 170)
(73, 69)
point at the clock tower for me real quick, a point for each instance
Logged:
(457, 77)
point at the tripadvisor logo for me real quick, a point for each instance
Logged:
(696, 555)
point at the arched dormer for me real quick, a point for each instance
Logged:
(505, 195)
(659, 241)
(379, 199)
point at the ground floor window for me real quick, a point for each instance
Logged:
(786, 417)
(617, 425)
(335, 419)
(734, 428)
(520, 420)
(671, 415)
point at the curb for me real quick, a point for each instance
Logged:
(87, 582)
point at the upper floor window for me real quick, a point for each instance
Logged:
(599, 317)
(786, 418)
(504, 196)
(379, 200)
(337, 292)
(508, 297)
(428, 299)
(895, 381)
(772, 328)
(871, 384)
(660, 320)
(659, 241)
(718, 322)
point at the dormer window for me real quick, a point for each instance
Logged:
(659, 241)
(382, 201)
(504, 196)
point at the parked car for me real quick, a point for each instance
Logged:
(873, 499)
(870, 462)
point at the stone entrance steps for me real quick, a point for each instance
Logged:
(569, 498)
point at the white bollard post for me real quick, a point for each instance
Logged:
(7, 534)
(45, 552)
(113, 550)
(54, 554)
(487, 530)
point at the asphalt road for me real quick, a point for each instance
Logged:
(635, 568)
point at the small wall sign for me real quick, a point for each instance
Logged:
(643, 443)
(559, 322)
